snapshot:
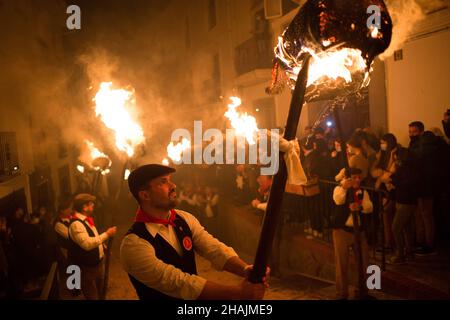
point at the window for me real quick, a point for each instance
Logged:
(212, 17)
(9, 160)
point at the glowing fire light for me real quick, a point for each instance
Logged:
(340, 63)
(243, 124)
(111, 107)
(126, 174)
(93, 151)
(374, 33)
(99, 160)
(165, 161)
(174, 151)
(80, 168)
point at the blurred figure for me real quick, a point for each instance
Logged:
(446, 123)
(384, 167)
(186, 197)
(426, 148)
(372, 139)
(61, 225)
(86, 245)
(366, 140)
(262, 196)
(212, 202)
(405, 180)
(61, 229)
(336, 159)
(3, 252)
(242, 193)
(356, 158)
(320, 143)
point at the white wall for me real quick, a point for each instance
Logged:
(418, 87)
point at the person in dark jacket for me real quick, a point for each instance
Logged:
(405, 181)
(425, 146)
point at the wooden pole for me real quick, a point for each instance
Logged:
(355, 214)
(279, 181)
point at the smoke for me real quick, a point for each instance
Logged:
(405, 14)
(50, 75)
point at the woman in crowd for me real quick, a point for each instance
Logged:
(384, 166)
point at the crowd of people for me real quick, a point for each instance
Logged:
(405, 186)
(25, 240)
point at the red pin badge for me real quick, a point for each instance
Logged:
(187, 243)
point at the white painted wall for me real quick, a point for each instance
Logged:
(418, 87)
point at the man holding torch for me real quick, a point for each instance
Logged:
(158, 250)
(86, 245)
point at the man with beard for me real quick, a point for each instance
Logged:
(86, 246)
(158, 250)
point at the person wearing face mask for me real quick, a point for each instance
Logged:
(385, 165)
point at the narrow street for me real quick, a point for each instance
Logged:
(291, 287)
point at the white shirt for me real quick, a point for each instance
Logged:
(62, 229)
(139, 260)
(340, 194)
(79, 235)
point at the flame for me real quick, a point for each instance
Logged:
(111, 107)
(165, 161)
(80, 168)
(95, 153)
(126, 174)
(374, 33)
(334, 64)
(243, 124)
(174, 151)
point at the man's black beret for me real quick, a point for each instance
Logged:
(144, 174)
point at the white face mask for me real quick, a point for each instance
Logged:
(383, 146)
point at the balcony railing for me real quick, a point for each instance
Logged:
(255, 53)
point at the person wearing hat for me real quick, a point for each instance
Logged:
(86, 245)
(158, 250)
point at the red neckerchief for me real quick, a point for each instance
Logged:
(355, 196)
(90, 220)
(141, 216)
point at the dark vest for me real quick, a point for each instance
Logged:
(78, 255)
(342, 212)
(165, 252)
(62, 242)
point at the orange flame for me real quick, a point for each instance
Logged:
(111, 107)
(243, 124)
(174, 151)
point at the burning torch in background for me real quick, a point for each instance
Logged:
(113, 107)
(97, 161)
